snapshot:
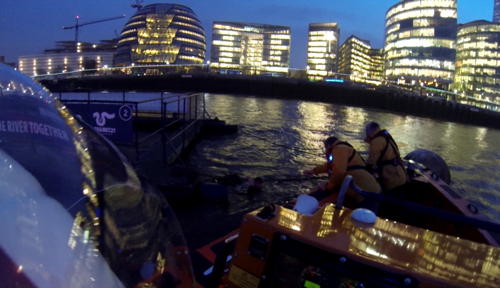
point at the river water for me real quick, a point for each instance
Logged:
(277, 139)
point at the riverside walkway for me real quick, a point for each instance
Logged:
(465, 111)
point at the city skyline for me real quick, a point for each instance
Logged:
(29, 28)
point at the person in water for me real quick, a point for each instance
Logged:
(248, 186)
(255, 186)
(384, 160)
(342, 160)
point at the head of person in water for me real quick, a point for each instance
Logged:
(256, 185)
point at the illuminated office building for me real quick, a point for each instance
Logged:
(420, 42)
(254, 49)
(322, 49)
(496, 12)
(478, 60)
(69, 56)
(359, 62)
(162, 34)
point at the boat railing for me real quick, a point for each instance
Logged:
(413, 207)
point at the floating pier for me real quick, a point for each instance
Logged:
(151, 130)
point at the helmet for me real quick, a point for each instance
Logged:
(73, 211)
(370, 129)
(330, 140)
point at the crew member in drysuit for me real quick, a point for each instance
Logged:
(384, 159)
(342, 159)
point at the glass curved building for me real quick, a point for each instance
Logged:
(161, 34)
(478, 60)
(420, 42)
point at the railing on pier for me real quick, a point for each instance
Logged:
(171, 115)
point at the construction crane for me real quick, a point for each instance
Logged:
(78, 25)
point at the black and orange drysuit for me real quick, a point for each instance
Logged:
(342, 160)
(384, 160)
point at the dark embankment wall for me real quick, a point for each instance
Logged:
(339, 93)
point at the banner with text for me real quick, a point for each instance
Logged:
(114, 121)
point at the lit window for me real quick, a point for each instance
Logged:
(317, 49)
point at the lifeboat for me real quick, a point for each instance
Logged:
(333, 249)
(423, 235)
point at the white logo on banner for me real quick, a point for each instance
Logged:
(100, 118)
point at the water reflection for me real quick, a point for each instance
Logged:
(280, 138)
(481, 133)
(313, 121)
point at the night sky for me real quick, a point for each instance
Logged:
(30, 26)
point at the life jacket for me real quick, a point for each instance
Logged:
(396, 161)
(330, 159)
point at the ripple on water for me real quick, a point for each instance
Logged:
(279, 138)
